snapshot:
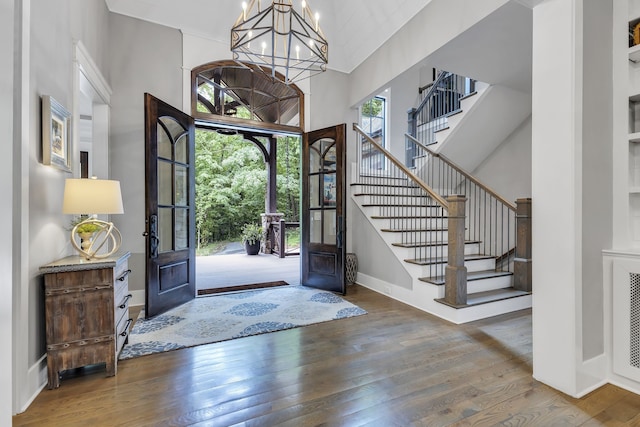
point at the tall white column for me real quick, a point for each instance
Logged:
(557, 191)
(6, 214)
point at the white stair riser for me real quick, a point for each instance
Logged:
(489, 284)
(400, 191)
(422, 236)
(393, 200)
(410, 223)
(434, 251)
(473, 265)
(406, 211)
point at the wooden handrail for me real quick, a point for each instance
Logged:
(403, 168)
(464, 173)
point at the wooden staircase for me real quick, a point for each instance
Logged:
(457, 239)
(415, 228)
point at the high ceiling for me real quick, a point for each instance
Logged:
(354, 28)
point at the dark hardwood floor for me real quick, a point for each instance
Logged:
(395, 366)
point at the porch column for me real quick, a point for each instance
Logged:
(269, 242)
(271, 201)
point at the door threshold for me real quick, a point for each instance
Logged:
(236, 288)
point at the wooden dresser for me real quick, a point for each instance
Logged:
(86, 312)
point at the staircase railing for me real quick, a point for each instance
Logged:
(439, 100)
(410, 207)
(490, 218)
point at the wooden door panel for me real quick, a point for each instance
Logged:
(173, 276)
(170, 206)
(322, 263)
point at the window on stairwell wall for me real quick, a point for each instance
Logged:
(373, 120)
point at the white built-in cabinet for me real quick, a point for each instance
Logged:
(622, 262)
(633, 130)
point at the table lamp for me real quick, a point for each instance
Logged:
(88, 198)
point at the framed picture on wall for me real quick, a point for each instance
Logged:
(56, 134)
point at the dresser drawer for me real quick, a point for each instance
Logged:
(121, 269)
(121, 308)
(78, 281)
(122, 333)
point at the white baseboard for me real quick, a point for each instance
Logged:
(36, 381)
(592, 375)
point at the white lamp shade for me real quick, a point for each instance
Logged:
(92, 196)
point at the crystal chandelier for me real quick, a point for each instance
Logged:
(280, 38)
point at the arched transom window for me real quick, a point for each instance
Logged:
(234, 93)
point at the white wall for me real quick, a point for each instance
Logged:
(597, 174)
(432, 27)
(328, 100)
(403, 95)
(7, 40)
(375, 257)
(508, 169)
(144, 57)
(47, 53)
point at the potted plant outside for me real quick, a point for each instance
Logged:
(251, 237)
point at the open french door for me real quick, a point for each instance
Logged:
(323, 209)
(170, 206)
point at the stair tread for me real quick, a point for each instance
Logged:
(423, 196)
(471, 276)
(377, 184)
(407, 205)
(488, 297)
(441, 129)
(443, 260)
(410, 230)
(379, 175)
(469, 95)
(453, 113)
(407, 216)
(419, 244)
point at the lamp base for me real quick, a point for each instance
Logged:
(92, 242)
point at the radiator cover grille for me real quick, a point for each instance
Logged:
(634, 319)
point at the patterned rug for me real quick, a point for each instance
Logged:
(223, 317)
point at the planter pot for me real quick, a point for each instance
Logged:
(351, 268)
(252, 249)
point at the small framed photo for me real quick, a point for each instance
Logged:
(329, 193)
(56, 134)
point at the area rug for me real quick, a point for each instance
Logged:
(241, 287)
(216, 318)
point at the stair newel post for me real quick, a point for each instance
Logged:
(412, 129)
(522, 261)
(455, 292)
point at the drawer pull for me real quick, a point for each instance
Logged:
(124, 275)
(126, 328)
(124, 303)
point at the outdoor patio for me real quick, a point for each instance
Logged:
(218, 271)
